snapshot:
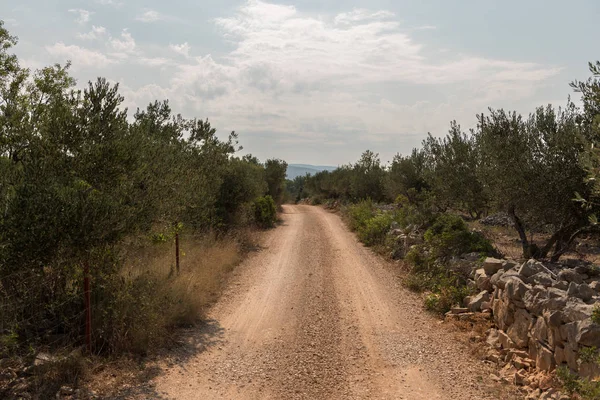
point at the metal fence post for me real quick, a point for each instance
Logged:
(177, 252)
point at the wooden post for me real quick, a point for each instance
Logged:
(177, 252)
(88, 306)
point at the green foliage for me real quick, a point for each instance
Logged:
(265, 211)
(295, 189)
(543, 169)
(367, 178)
(407, 176)
(374, 230)
(418, 213)
(445, 297)
(530, 167)
(569, 380)
(431, 272)
(363, 180)
(275, 172)
(449, 236)
(243, 181)
(596, 314)
(359, 214)
(589, 355)
(585, 388)
(78, 178)
(453, 162)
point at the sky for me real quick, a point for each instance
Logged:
(319, 81)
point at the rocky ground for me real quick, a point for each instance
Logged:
(542, 318)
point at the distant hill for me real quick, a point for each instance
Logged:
(295, 170)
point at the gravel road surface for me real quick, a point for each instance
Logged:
(315, 315)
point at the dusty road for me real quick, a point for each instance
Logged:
(315, 315)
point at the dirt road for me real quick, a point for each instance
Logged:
(315, 315)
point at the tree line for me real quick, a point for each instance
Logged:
(541, 169)
(79, 174)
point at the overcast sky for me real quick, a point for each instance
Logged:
(319, 81)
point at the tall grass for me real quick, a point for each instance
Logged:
(148, 298)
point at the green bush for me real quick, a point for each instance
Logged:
(265, 211)
(374, 230)
(449, 236)
(574, 384)
(448, 294)
(596, 314)
(417, 211)
(371, 226)
(359, 214)
(315, 201)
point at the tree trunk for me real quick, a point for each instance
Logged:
(554, 240)
(563, 245)
(522, 234)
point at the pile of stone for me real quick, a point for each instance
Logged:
(542, 314)
(499, 219)
(403, 240)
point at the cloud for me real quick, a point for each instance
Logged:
(96, 33)
(78, 55)
(182, 49)
(426, 28)
(149, 16)
(359, 47)
(358, 76)
(113, 3)
(361, 15)
(123, 45)
(11, 22)
(83, 16)
(155, 61)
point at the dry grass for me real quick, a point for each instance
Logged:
(507, 241)
(137, 309)
(504, 239)
(204, 264)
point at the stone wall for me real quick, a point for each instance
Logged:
(541, 311)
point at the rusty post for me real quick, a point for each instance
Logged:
(88, 306)
(177, 252)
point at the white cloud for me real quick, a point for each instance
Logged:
(426, 28)
(11, 22)
(155, 61)
(182, 49)
(83, 16)
(78, 55)
(322, 78)
(113, 3)
(149, 16)
(123, 45)
(360, 47)
(361, 15)
(97, 32)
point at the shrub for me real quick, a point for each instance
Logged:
(374, 230)
(265, 211)
(574, 384)
(137, 306)
(449, 236)
(418, 212)
(359, 214)
(596, 315)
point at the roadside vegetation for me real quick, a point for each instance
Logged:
(90, 189)
(540, 170)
